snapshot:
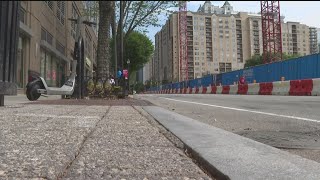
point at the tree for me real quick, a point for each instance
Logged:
(138, 48)
(103, 51)
(258, 59)
(138, 16)
(254, 61)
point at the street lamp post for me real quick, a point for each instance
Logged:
(128, 62)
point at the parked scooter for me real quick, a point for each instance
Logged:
(39, 87)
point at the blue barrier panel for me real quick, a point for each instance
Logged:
(218, 79)
(198, 82)
(207, 80)
(193, 83)
(299, 68)
(183, 84)
(248, 74)
(214, 79)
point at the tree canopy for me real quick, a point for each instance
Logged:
(138, 48)
(258, 59)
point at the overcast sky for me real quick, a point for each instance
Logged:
(305, 12)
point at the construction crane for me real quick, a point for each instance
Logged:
(271, 31)
(183, 56)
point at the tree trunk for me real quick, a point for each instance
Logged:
(103, 51)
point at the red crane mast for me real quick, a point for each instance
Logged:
(271, 31)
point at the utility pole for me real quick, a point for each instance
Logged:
(121, 33)
(115, 42)
(79, 53)
(121, 43)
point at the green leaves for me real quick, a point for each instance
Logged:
(138, 49)
(142, 14)
(258, 59)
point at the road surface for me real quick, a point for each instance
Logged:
(291, 123)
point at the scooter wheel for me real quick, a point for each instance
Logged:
(32, 92)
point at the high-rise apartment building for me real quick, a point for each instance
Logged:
(46, 41)
(313, 40)
(219, 40)
(318, 39)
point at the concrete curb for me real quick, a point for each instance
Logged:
(234, 156)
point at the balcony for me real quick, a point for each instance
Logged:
(209, 34)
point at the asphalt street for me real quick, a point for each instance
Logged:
(291, 123)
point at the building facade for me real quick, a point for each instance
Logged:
(220, 40)
(313, 34)
(46, 41)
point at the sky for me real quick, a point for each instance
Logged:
(305, 12)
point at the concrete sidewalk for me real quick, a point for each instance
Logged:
(87, 142)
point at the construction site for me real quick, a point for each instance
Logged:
(217, 39)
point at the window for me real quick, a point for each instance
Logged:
(60, 48)
(61, 11)
(75, 15)
(22, 17)
(49, 4)
(52, 69)
(46, 36)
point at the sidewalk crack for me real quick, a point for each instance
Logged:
(86, 137)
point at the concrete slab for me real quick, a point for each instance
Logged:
(235, 156)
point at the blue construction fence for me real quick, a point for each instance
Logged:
(305, 67)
